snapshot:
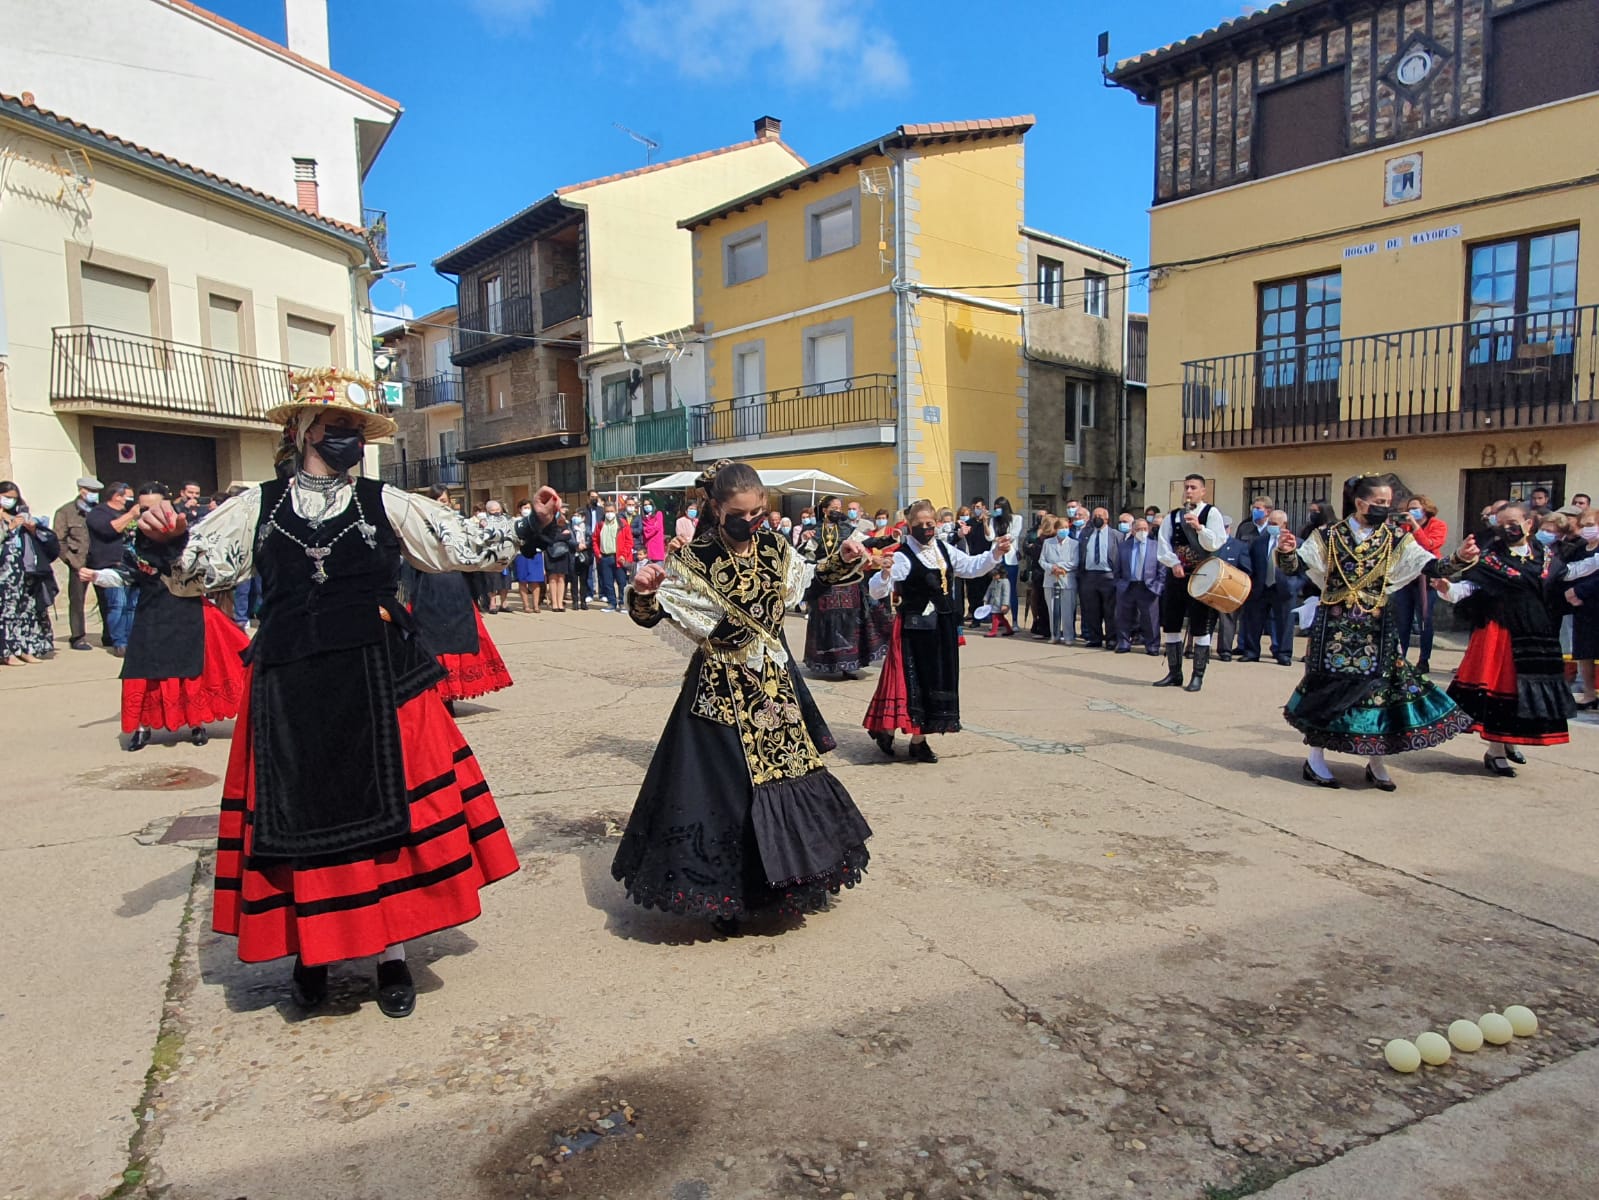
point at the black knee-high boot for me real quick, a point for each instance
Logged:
(1201, 658)
(1174, 666)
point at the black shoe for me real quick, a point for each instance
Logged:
(1310, 775)
(1174, 667)
(1249, 658)
(1224, 656)
(1124, 648)
(449, 707)
(1386, 785)
(1515, 756)
(81, 646)
(923, 753)
(727, 926)
(1284, 660)
(139, 740)
(308, 987)
(199, 736)
(1201, 658)
(1424, 666)
(1152, 651)
(1504, 772)
(885, 743)
(1095, 645)
(396, 992)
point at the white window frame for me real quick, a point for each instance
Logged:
(493, 286)
(827, 206)
(1096, 294)
(811, 336)
(1051, 282)
(754, 234)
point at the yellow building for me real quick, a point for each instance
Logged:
(1366, 243)
(836, 332)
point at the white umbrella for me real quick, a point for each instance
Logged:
(673, 483)
(809, 482)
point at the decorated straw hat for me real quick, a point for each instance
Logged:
(339, 390)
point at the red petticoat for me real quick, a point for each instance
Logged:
(889, 711)
(1485, 682)
(213, 695)
(469, 675)
(458, 845)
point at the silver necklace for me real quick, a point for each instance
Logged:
(318, 552)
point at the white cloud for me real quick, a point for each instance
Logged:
(811, 43)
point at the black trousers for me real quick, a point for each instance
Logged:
(1176, 606)
(1268, 610)
(1096, 595)
(77, 598)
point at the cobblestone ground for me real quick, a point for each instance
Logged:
(1109, 946)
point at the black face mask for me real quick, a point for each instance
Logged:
(1377, 514)
(1513, 533)
(738, 528)
(925, 533)
(1099, 522)
(836, 516)
(341, 451)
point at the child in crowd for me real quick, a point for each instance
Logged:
(998, 601)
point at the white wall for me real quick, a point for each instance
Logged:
(686, 377)
(171, 81)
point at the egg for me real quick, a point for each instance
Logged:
(1464, 1035)
(1495, 1029)
(1433, 1047)
(1522, 1020)
(1402, 1056)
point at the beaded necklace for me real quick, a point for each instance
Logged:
(327, 487)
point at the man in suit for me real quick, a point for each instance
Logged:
(1271, 599)
(1139, 580)
(1100, 546)
(1260, 509)
(1235, 552)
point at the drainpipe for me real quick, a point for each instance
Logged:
(902, 302)
(1121, 459)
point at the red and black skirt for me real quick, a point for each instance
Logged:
(469, 675)
(1507, 705)
(216, 694)
(348, 906)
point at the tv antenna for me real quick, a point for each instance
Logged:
(878, 182)
(650, 144)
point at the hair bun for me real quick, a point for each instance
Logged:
(708, 476)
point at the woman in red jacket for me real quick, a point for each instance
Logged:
(613, 552)
(1413, 605)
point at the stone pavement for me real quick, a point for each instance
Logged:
(1109, 946)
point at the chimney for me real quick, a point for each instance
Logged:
(307, 22)
(305, 185)
(768, 129)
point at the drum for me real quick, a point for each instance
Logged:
(1219, 585)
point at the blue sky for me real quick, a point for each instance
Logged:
(506, 100)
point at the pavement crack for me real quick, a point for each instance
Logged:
(83, 841)
(1028, 1011)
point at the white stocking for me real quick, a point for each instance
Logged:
(1171, 639)
(1317, 757)
(1202, 640)
(1378, 768)
(395, 953)
(919, 740)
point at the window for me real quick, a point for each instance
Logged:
(441, 357)
(225, 324)
(566, 475)
(1543, 53)
(492, 291)
(744, 255)
(1521, 297)
(497, 393)
(1300, 124)
(1299, 334)
(748, 371)
(616, 400)
(833, 224)
(657, 400)
(1096, 294)
(1532, 274)
(118, 300)
(1079, 412)
(829, 352)
(309, 343)
(1293, 493)
(1052, 282)
(449, 443)
(1087, 401)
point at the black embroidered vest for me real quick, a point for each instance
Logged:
(1185, 541)
(925, 584)
(301, 617)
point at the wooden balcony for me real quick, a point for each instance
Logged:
(493, 329)
(1532, 371)
(858, 402)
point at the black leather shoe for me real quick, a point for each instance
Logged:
(1124, 648)
(1284, 660)
(1386, 785)
(1504, 772)
(885, 743)
(1224, 656)
(199, 735)
(396, 992)
(81, 646)
(139, 739)
(1330, 781)
(1249, 658)
(923, 753)
(1515, 756)
(308, 987)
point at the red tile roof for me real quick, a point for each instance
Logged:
(1248, 21)
(25, 103)
(248, 35)
(677, 162)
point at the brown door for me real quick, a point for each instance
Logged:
(1510, 483)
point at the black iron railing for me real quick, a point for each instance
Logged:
(414, 474)
(93, 365)
(443, 388)
(559, 304)
(839, 404)
(1526, 371)
(1138, 351)
(482, 327)
(376, 223)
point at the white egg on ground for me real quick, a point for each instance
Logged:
(1495, 1029)
(1523, 1022)
(1402, 1056)
(1434, 1048)
(1464, 1035)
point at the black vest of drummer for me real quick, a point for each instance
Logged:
(1185, 541)
(301, 617)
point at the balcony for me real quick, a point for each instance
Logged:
(560, 304)
(376, 225)
(528, 425)
(107, 371)
(443, 388)
(482, 331)
(414, 474)
(1137, 349)
(858, 403)
(1526, 371)
(654, 435)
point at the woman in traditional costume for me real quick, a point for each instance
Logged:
(843, 633)
(183, 667)
(354, 815)
(1512, 680)
(919, 690)
(1359, 695)
(737, 814)
(452, 627)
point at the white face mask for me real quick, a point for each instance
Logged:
(8, 502)
(1141, 534)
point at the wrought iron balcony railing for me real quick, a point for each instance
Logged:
(92, 366)
(650, 436)
(1524, 371)
(414, 474)
(559, 304)
(443, 388)
(376, 223)
(839, 404)
(481, 328)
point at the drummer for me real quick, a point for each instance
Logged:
(1188, 536)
